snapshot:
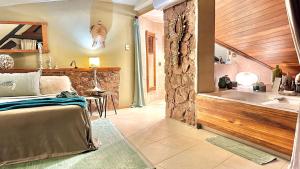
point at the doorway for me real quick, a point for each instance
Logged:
(150, 61)
(152, 43)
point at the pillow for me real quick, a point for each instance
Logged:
(20, 84)
(55, 84)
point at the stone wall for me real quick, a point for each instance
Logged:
(180, 68)
(82, 80)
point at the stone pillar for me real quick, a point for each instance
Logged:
(206, 46)
(180, 66)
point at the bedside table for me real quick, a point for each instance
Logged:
(103, 96)
(98, 103)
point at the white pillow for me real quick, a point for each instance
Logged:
(20, 84)
(54, 84)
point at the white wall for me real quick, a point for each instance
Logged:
(240, 64)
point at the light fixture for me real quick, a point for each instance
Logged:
(246, 78)
(94, 63)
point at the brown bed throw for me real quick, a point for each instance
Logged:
(43, 132)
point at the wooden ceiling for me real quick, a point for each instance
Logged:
(259, 29)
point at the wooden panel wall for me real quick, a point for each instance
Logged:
(259, 29)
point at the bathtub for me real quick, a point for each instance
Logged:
(261, 119)
(288, 103)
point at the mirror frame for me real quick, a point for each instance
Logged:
(44, 37)
(148, 68)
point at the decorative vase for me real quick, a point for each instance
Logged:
(277, 72)
(6, 62)
(297, 78)
(225, 82)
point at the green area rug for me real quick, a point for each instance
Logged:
(114, 153)
(242, 150)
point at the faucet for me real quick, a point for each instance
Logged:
(74, 63)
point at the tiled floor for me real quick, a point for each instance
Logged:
(169, 144)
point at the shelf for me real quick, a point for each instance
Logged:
(9, 51)
(59, 70)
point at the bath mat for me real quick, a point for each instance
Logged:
(114, 153)
(242, 150)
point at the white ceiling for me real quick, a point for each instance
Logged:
(155, 16)
(18, 2)
(127, 2)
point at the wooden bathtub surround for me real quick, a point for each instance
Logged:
(267, 127)
(81, 78)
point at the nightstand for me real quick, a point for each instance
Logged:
(98, 103)
(103, 97)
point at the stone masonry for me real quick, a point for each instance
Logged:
(82, 79)
(180, 68)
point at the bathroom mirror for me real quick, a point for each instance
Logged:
(22, 37)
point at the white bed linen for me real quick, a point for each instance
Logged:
(19, 98)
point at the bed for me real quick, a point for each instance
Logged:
(36, 133)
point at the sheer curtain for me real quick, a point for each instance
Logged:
(139, 100)
(293, 11)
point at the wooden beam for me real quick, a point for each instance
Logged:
(23, 23)
(242, 53)
(32, 36)
(33, 30)
(12, 33)
(9, 45)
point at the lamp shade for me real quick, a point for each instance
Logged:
(94, 61)
(246, 78)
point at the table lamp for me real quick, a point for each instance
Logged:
(94, 63)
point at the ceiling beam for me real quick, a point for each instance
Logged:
(10, 34)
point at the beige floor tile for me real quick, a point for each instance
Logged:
(158, 167)
(286, 165)
(237, 162)
(149, 135)
(222, 167)
(180, 128)
(157, 152)
(170, 144)
(127, 127)
(178, 141)
(202, 156)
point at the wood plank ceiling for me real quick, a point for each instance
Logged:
(259, 29)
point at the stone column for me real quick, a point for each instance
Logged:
(180, 62)
(180, 66)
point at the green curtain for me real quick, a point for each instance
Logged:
(139, 100)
